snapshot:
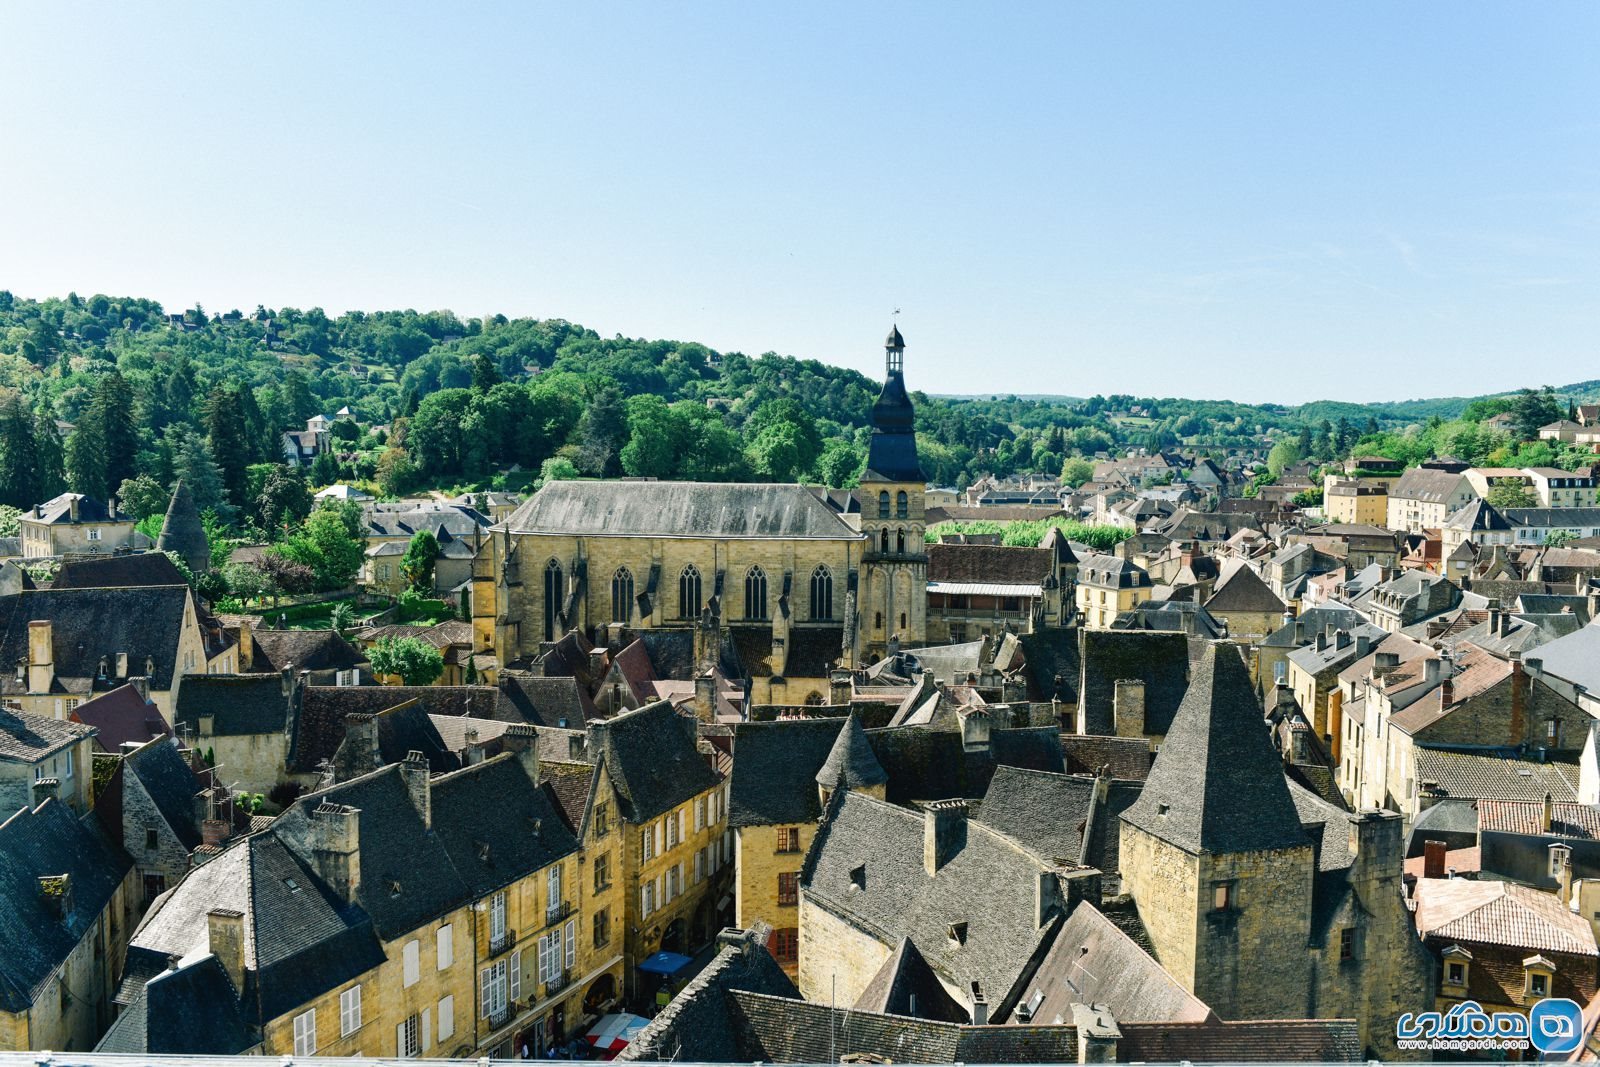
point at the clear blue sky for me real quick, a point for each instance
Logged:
(1280, 201)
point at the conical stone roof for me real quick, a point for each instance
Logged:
(182, 532)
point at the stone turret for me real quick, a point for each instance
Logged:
(183, 534)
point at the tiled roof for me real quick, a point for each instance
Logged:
(305, 650)
(1241, 589)
(172, 786)
(320, 723)
(1094, 962)
(1500, 913)
(1569, 818)
(545, 701)
(191, 1011)
(30, 738)
(89, 625)
(1046, 813)
(992, 564)
(1125, 758)
(120, 716)
(1424, 484)
(850, 760)
(866, 867)
(1217, 785)
(496, 827)
(1473, 776)
(34, 943)
(240, 704)
(651, 756)
(1158, 658)
(140, 568)
(58, 510)
(906, 985)
(1051, 665)
(775, 768)
(679, 509)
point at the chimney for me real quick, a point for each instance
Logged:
(1548, 816)
(41, 656)
(1363, 645)
(1127, 708)
(1433, 853)
(522, 740)
(414, 770)
(1495, 621)
(944, 833)
(839, 687)
(247, 648)
(225, 934)
(975, 725)
(705, 696)
(1322, 640)
(1432, 669)
(980, 1006)
(1098, 1033)
(1561, 860)
(45, 789)
(1299, 632)
(597, 663)
(1447, 693)
(336, 847)
(1519, 699)
(288, 681)
(361, 734)
(141, 685)
(72, 507)
(1341, 640)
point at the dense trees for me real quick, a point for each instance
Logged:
(412, 660)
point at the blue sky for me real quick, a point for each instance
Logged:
(1257, 201)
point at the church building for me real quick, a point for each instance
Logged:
(772, 579)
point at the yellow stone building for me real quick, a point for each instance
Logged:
(394, 915)
(788, 578)
(1106, 587)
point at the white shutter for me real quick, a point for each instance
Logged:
(400, 1040)
(644, 845)
(681, 821)
(572, 943)
(410, 957)
(661, 836)
(447, 947)
(447, 1017)
(516, 976)
(427, 1031)
(699, 865)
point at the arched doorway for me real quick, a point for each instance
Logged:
(672, 938)
(602, 993)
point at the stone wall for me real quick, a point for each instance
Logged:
(836, 959)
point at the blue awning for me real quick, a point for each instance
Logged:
(665, 963)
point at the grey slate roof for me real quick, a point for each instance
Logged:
(1477, 517)
(319, 727)
(906, 985)
(191, 1011)
(680, 509)
(775, 768)
(866, 867)
(497, 826)
(58, 510)
(182, 533)
(1425, 484)
(1476, 775)
(172, 786)
(850, 760)
(28, 738)
(1241, 589)
(1094, 962)
(1217, 785)
(652, 759)
(543, 701)
(1574, 658)
(1159, 658)
(305, 650)
(928, 763)
(240, 704)
(100, 572)
(1044, 812)
(49, 840)
(1051, 666)
(88, 624)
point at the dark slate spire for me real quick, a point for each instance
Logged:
(183, 534)
(851, 760)
(1217, 784)
(892, 451)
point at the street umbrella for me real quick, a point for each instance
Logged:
(611, 1034)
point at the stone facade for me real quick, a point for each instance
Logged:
(837, 959)
(763, 860)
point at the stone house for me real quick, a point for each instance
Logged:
(1244, 602)
(774, 801)
(160, 811)
(240, 722)
(1408, 599)
(35, 749)
(991, 589)
(1106, 587)
(1130, 682)
(121, 717)
(66, 645)
(76, 524)
(70, 905)
(1503, 945)
(1260, 898)
(1313, 674)
(1424, 497)
(1357, 500)
(395, 915)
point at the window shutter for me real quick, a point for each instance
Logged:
(572, 943)
(427, 1031)
(484, 984)
(644, 845)
(400, 1040)
(516, 976)
(661, 836)
(680, 824)
(447, 1017)
(447, 948)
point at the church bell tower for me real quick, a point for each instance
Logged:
(894, 572)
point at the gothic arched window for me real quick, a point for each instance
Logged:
(821, 594)
(622, 595)
(900, 508)
(689, 593)
(755, 593)
(883, 504)
(554, 590)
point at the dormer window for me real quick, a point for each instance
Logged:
(1538, 973)
(858, 876)
(1457, 964)
(958, 933)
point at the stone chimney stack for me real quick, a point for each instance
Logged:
(944, 833)
(72, 507)
(1127, 707)
(45, 789)
(522, 740)
(980, 1006)
(414, 769)
(361, 734)
(705, 696)
(41, 656)
(975, 729)
(1547, 818)
(225, 930)
(336, 847)
(1098, 1033)
(247, 649)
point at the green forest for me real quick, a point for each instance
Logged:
(116, 395)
